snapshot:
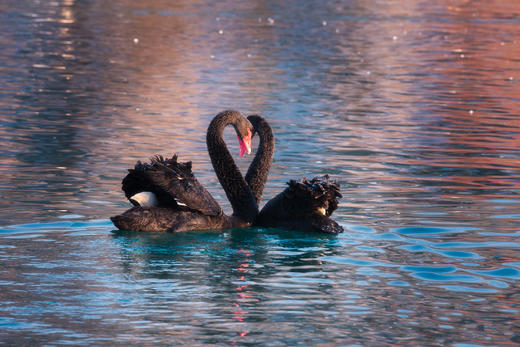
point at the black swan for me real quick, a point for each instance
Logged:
(305, 205)
(167, 196)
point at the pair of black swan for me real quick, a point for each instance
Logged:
(167, 196)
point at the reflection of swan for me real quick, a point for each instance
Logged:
(305, 205)
(174, 200)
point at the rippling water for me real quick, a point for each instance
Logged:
(413, 106)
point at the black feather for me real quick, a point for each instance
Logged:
(177, 180)
(298, 206)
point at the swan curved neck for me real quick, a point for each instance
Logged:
(259, 169)
(237, 191)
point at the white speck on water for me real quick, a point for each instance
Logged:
(462, 56)
(368, 73)
(69, 216)
(221, 31)
(324, 23)
(212, 56)
(249, 55)
(337, 31)
(511, 78)
(217, 19)
(270, 21)
(136, 40)
(502, 43)
(471, 111)
(137, 109)
(394, 38)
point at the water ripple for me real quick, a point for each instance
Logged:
(414, 109)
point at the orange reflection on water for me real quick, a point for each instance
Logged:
(242, 291)
(451, 92)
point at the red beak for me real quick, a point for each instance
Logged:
(245, 143)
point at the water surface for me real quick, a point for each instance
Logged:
(413, 106)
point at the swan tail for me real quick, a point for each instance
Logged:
(177, 180)
(318, 194)
(305, 205)
(144, 199)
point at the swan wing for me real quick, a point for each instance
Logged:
(177, 180)
(137, 182)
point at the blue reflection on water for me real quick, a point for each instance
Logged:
(230, 282)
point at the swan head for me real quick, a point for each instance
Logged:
(245, 143)
(245, 131)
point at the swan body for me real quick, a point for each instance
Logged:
(173, 220)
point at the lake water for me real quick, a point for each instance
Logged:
(413, 106)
